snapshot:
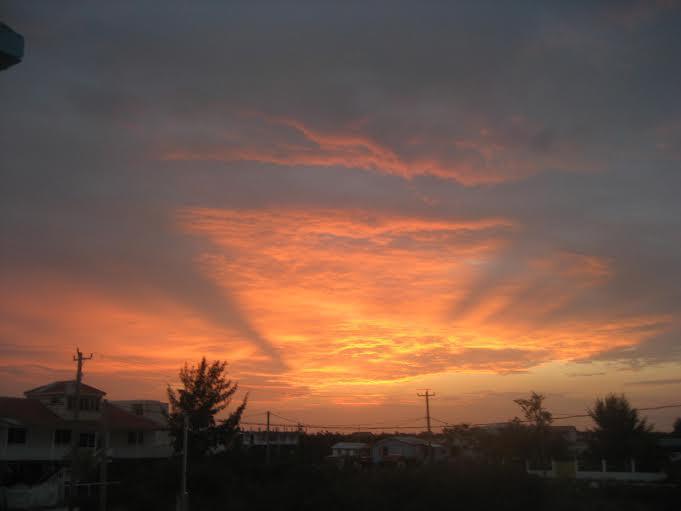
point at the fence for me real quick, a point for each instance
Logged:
(571, 470)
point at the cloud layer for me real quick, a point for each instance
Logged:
(341, 199)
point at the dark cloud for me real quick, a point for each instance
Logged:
(658, 349)
(670, 381)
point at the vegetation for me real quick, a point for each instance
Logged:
(534, 411)
(302, 479)
(620, 433)
(233, 481)
(237, 478)
(206, 391)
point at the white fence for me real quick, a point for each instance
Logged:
(570, 469)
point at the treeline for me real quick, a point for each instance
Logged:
(486, 470)
(232, 481)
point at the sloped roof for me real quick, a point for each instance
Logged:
(63, 387)
(20, 411)
(411, 440)
(119, 419)
(350, 445)
(559, 429)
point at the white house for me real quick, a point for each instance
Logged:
(407, 449)
(350, 450)
(39, 427)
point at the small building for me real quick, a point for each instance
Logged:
(407, 449)
(671, 447)
(273, 438)
(350, 450)
(282, 444)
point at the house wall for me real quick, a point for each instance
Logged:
(396, 448)
(350, 452)
(156, 444)
(39, 446)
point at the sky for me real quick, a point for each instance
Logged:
(349, 202)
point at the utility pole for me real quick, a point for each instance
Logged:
(75, 432)
(103, 465)
(185, 452)
(267, 440)
(427, 395)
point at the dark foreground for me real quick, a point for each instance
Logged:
(221, 485)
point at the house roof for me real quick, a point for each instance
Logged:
(411, 440)
(19, 411)
(115, 418)
(26, 412)
(63, 387)
(669, 442)
(350, 445)
(119, 419)
(562, 429)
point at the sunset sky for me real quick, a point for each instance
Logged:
(347, 201)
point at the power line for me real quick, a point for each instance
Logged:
(562, 417)
(258, 414)
(388, 426)
(295, 421)
(362, 425)
(352, 427)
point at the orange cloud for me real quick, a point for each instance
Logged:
(364, 298)
(357, 302)
(516, 149)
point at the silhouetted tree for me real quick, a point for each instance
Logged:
(619, 433)
(539, 419)
(677, 426)
(207, 391)
(534, 411)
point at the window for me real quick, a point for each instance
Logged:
(135, 437)
(138, 409)
(89, 403)
(62, 436)
(385, 451)
(86, 403)
(86, 440)
(16, 436)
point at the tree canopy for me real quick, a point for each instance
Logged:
(206, 392)
(619, 433)
(534, 411)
